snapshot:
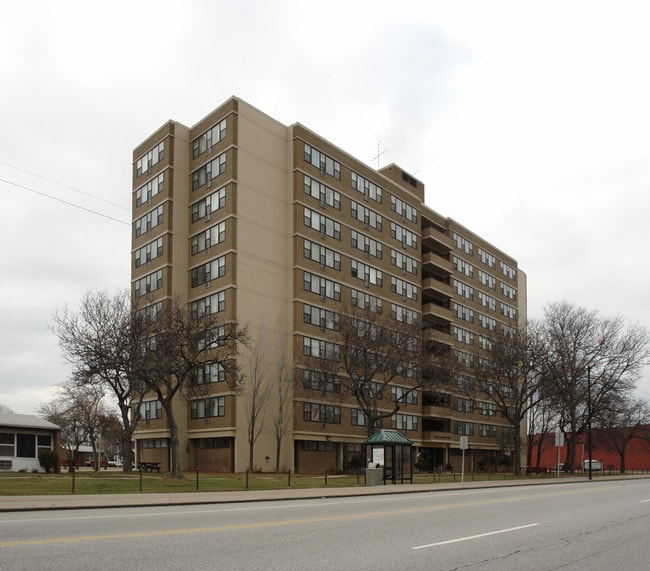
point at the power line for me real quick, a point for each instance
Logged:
(64, 185)
(64, 201)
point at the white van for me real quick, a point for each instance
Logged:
(596, 466)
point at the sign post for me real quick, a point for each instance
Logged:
(464, 444)
(559, 442)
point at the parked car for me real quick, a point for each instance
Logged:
(115, 463)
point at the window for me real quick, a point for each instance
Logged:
(316, 446)
(405, 422)
(487, 301)
(404, 209)
(463, 336)
(153, 443)
(208, 373)
(323, 413)
(155, 155)
(149, 283)
(486, 322)
(209, 204)
(485, 343)
(463, 244)
(404, 262)
(6, 444)
(358, 417)
(150, 409)
(404, 236)
(213, 443)
(321, 349)
(465, 359)
(402, 394)
(320, 317)
(209, 271)
(148, 252)
(464, 428)
(321, 286)
(405, 289)
(324, 194)
(463, 267)
(464, 382)
(364, 300)
(203, 143)
(208, 238)
(326, 164)
(464, 313)
(403, 314)
(487, 408)
(370, 190)
(208, 305)
(204, 175)
(488, 259)
(146, 192)
(508, 291)
(508, 311)
(208, 407)
(464, 404)
(363, 214)
(507, 270)
(321, 223)
(464, 290)
(366, 244)
(325, 256)
(320, 381)
(149, 221)
(487, 280)
(212, 339)
(487, 430)
(367, 274)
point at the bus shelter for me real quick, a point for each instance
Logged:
(391, 452)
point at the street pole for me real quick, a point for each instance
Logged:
(589, 417)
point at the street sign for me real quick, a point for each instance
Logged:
(464, 443)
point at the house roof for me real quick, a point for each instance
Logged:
(25, 421)
(388, 437)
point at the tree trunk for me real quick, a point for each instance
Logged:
(517, 439)
(174, 444)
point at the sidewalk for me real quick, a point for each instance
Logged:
(84, 501)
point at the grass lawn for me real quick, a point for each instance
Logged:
(114, 481)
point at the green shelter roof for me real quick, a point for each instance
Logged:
(388, 437)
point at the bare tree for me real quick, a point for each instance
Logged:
(380, 361)
(618, 426)
(283, 390)
(179, 342)
(102, 339)
(257, 390)
(590, 362)
(509, 376)
(541, 418)
(4, 408)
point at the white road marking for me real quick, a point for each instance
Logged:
(475, 536)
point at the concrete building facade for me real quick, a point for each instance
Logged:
(273, 226)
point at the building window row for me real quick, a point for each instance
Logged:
(488, 259)
(208, 238)
(326, 164)
(405, 422)
(322, 255)
(209, 271)
(321, 349)
(485, 343)
(486, 322)
(324, 224)
(151, 158)
(403, 236)
(487, 430)
(508, 311)
(320, 381)
(203, 143)
(324, 194)
(316, 446)
(146, 192)
(464, 313)
(367, 245)
(208, 407)
(463, 244)
(403, 314)
(322, 286)
(363, 214)
(487, 408)
(465, 359)
(148, 252)
(153, 443)
(406, 289)
(464, 404)
(208, 305)
(463, 267)
(204, 175)
(404, 395)
(463, 336)
(404, 209)
(208, 373)
(369, 189)
(320, 317)
(150, 410)
(209, 204)
(487, 280)
(463, 290)
(358, 417)
(404, 262)
(487, 301)
(367, 274)
(322, 413)
(149, 283)
(508, 291)
(150, 220)
(364, 300)
(464, 428)
(508, 271)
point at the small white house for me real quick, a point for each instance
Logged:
(22, 437)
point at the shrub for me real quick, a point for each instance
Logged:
(49, 460)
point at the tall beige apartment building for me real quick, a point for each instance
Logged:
(274, 227)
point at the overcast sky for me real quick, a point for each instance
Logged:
(528, 122)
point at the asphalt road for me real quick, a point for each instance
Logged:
(591, 525)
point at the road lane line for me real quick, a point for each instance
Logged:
(644, 501)
(459, 539)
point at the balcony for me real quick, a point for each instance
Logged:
(438, 337)
(436, 264)
(430, 437)
(437, 311)
(436, 240)
(438, 289)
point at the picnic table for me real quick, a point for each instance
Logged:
(149, 466)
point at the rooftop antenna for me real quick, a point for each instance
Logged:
(379, 153)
